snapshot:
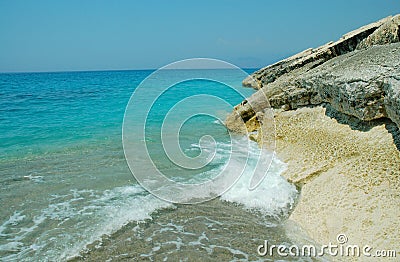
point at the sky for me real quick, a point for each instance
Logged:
(75, 35)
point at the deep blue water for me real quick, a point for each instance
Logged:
(42, 109)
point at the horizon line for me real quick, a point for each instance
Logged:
(116, 70)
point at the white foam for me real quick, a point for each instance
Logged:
(218, 122)
(34, 178)
(12, 221)
(274, 196)
(82, 216)
(79, 222)
(134, 204)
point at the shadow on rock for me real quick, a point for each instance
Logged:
(356, 124)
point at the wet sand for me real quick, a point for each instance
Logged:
(211, 231)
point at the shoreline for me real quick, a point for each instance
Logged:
(336, 111)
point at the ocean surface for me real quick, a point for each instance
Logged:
(67, 191)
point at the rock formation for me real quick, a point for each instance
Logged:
(381, 32)
(349, 179)
(356, 75)
(387, 33)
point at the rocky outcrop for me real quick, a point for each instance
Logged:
(383, 31)
(349, 180)
(388, 33)
(362, 83)
(392, 98)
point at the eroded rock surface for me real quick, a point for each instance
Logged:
(362, 84)
(356, 75)
(383, 31)
(388, 33)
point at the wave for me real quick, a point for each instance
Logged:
(274, 196)
(74, 222)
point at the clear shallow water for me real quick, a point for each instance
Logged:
(63, 176)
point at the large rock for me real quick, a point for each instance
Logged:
(392, 98)
(349, 179)
(347, 43)
(387, 33)
(362, 83)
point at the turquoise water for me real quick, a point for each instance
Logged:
(63, 175)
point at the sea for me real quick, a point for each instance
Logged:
(75, 150)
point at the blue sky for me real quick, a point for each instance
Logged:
(100, 35)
